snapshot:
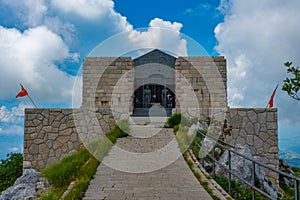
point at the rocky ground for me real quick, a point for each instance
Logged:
(28, 186)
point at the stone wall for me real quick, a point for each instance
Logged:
(51, 134)
(258, 130)
(104, 77)
(201, 80)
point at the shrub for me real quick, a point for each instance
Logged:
(10, 169)
(178, 119)
(176, 128)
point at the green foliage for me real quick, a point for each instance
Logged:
(49, 196)
(237, 191)
(61, 174)
(292, 85)
(184, 140)
(86, 173)
(176, 119)
(10, 169)
(176, 128)
(121, 129)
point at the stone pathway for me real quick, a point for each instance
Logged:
(146, 166)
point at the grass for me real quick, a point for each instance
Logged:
(198, 176)
(237, 190)
(81, 166)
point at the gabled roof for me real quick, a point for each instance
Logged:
(155, 56)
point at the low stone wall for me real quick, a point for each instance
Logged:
(51, 134)
(258, 130)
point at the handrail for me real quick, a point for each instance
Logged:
(254, 162)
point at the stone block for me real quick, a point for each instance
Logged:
(33, 149)
(63, 139)
(272, 125)
(270, 117)
(56, 145)
(273, 149)
(47, 129)
(264, 136)
(249, 128)
(67, 131)
(256, 128)
(252, 116)
(257, 142)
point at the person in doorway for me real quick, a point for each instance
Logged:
(170, 101)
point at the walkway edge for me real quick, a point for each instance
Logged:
(216, 189)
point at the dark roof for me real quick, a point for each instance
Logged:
(156, 56)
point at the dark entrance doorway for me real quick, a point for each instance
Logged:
(150, 95)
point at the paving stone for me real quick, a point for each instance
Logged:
(175, 181)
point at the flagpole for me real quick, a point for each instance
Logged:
(31, 101)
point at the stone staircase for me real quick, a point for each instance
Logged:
(146, 165)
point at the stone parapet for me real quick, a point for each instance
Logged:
(256, 128)
(51, 134)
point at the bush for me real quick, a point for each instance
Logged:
(176, 128)
(10, 169)
(178, 119)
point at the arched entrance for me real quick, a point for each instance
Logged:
(150, 94)
(153, 95)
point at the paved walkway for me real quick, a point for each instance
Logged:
(145, 167)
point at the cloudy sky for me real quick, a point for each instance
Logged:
(43, 43)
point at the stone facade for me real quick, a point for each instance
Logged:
(51, 134)
(256, 129)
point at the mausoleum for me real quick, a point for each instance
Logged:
(155, 84)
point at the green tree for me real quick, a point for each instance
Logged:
(10, 169)
(292, 85)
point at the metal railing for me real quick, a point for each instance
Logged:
(231, 173)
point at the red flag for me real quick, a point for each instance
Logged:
(272, 97)
(22, 93)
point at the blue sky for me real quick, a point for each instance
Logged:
(43, 42)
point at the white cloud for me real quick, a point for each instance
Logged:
(30, 58)
(5, 115)
(1, 130)
(15, 115)
(257, 37)
(14, 149)
(31, 12)
(200, 9)
(12, 130)
(161, 34)
(90, 9)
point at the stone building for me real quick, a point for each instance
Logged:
(155, 84)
